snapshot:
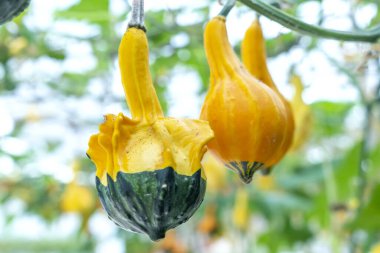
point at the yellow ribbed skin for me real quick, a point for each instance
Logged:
(253, 54)
(148, 141)
(136, 78)
(254, 57)
(249, 118)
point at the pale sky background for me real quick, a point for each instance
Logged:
(323, 82)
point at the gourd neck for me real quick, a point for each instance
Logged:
(139, 91)
(298, 88)
(220, 55)
(254, 56)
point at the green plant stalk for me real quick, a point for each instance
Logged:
(273, 13)
(364, 156)
(362, 167)
(227, 8)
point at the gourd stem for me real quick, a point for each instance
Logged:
(273, 13)
(137, 19)
(227, 8)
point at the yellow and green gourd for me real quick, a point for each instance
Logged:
(252, 123)
(11, 8)
(149, 176)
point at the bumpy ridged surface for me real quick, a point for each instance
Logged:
(124, 145)
(151, 202)
(11, 8)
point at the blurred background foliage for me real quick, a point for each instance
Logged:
(58, 76)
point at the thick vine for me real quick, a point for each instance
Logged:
(273, 13)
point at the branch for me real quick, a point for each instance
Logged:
(273, 13)
(227, 8)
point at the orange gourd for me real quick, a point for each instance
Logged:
(254, 57)
(250, 119)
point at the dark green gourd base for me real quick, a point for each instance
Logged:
(151, 202)
(11, 8)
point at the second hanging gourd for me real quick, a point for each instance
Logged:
(252, 122)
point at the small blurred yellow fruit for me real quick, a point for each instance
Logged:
(375, 248)
(241, 210)
(265, 182)
(77, 199)
(17, 45)
(215, 172)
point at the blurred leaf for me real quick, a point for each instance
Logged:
(321, 209)
(94, 11)
(366, 219)
(374, 163)
(284, 235)
(329, 117)
(281, 44)
(346, 173)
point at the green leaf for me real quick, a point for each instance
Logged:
(346, 174)
(282, 43)
(95, 11)
(368, 217)
(329, 117)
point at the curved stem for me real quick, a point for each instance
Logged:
(137, 19)
(227, 8)
(371, 35)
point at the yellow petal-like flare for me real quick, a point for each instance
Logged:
(128, 146)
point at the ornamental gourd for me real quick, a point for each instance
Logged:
(11, 8)
(254, 57)
(149, 177)
(250, 120)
